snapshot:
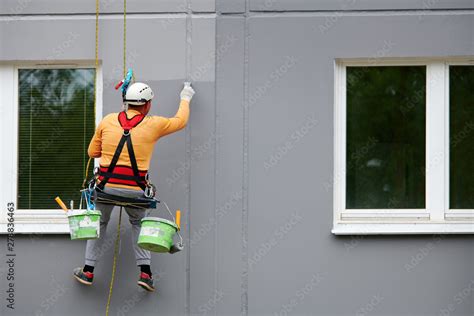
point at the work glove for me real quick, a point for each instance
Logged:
(187, 92)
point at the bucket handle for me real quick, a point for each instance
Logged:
(174, 221)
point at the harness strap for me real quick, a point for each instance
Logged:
(122, 176)
(117, 153)
(133, 160)
(128, 124)
(109, 174)
(139, 202)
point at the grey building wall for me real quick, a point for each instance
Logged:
(258, 238)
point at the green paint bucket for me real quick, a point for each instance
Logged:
(84, 224)
(156, 234)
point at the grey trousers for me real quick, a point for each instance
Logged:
(95, 248)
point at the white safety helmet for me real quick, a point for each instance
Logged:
(138, 94)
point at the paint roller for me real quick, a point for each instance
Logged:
(178, 246)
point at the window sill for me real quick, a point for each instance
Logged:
(38, 222)
(403, 228)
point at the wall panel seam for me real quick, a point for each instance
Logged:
(245, 178)
(213, 14)
(188, 70)
(414, 12)
(216, 150)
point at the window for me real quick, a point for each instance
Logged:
(461, 139)
(385, 137)
(404, 146)
(49, 115)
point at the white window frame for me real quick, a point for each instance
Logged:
(436, 218)
(47, 221)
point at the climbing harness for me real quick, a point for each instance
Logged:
(123, 174)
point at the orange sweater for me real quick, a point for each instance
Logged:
(144, 136)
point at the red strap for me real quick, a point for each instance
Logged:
(130, 183)
(128, 124)
(125, 170)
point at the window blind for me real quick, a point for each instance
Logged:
(56, 123)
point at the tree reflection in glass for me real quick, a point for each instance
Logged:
(56, 122)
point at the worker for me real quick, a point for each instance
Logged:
(122, 180)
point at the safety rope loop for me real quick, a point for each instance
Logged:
(124, 38)
(86, 173)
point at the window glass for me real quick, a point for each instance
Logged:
(461, 139)
(385, 162)
(56, 123)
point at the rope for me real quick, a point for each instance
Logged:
(117, 239)
(124, 38)
(114, 266)
(86, 173)
(96, 67)
(96, 52)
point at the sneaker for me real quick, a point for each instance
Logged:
(83, 277)
(146, 282)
